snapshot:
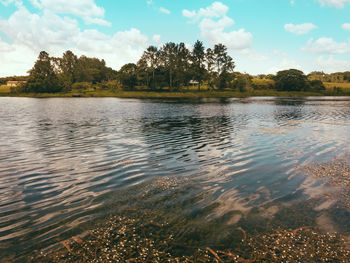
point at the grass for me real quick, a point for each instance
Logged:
(186, 93)
(331, 85)
(191, 94)
(5, 89)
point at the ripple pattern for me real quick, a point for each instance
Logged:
(60, 159)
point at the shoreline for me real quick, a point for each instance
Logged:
(178, 95)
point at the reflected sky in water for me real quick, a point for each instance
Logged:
(63, 160)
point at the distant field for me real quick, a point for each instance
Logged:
(343, 86)
(5, 89)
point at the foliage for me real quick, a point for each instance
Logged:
(81, 86)
(42, 77)
(317, 85)
(339, 77)
(172, 67)
(128, 76)
(291, 80)
(263, 84)
(242, 83)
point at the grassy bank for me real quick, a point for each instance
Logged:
(190, 92)
(174, 95)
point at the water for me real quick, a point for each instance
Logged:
(64, 163)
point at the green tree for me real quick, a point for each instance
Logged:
(317, 85)
(210, 63)
(128, 76)
(168, 57)
(182, 69)
(42, 77)
(224, 65)
(150, 61)
(68, 66)
(198, 62)
(90, 70)
(291, 80)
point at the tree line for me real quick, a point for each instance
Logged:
(172, 67)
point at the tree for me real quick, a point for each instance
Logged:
(182, 68)
(128, 76)
(90, 70)
(317, 85)
(291, 80)
(42, 77)
(347, 76)
(68, 65)
(168, 57)
(150, 59)
(224, 65)
(198, 59)
(210, 63)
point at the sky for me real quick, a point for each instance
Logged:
(262, 36)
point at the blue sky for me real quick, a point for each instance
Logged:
(263, 36)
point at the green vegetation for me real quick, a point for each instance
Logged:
(172, 71)
(5, 89)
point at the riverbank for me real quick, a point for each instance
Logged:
(174, 95)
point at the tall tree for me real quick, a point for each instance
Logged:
(151, 57)
(168, 57)
(210, 63)
(42, 77)
(198, 59)
(68, 65)
(224, 65)
(182, 65)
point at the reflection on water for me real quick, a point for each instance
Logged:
(64, 162)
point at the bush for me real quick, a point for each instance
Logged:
(263, 84)
(81, 86)
(317, 85)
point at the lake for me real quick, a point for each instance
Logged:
(69, 164)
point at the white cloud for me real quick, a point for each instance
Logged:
(335, 3)
(30, 33)
(189, 14)
(86, 9)
(215, 10)
(214, 32)
(253, 55)
(164, 10)
(346, 26)
(156, 40)
(301, 29)
(325, 45)
(214, 24)
(331, 64)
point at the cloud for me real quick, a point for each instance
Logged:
(85, 9)
(30, 33)
(164, 10)
(331, 64)
(214, 32)
(301, 29)
(215, 10)
(285, 64)
(325, 45)
(334, 3)
(156, 40)
(214, 24)
(346, 26)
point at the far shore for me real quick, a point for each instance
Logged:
(175, 95)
